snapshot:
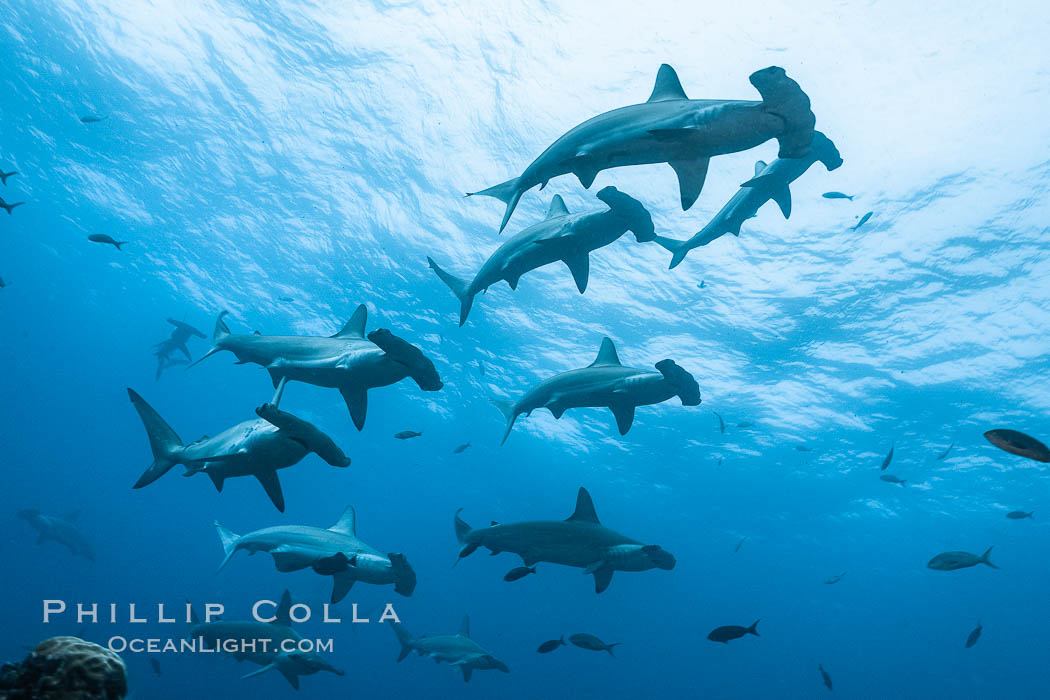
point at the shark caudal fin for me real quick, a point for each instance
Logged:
(783, 97)
(508, 192)
(164, 442)
(406, 640)
(637, 217)
(985, 560)
(221, 332)
(676, 247)
(459, 287)
(507, 409)
(229, 543)
(684, 384)
(463, 536)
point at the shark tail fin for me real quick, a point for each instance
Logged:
(229, 543)
(405, 638)
(508, 192)
(985, 560)
(675, 247)
(784, 97)
(221, 332)
(463, 536)
(507, 409)
(164, 442)
(684, 384)
(459, 287)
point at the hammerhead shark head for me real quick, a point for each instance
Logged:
(458, 650)
(347, 361)
(605, 383)
(770, 182)
(580, 541)
(258, 448)
(291, 665)
(179, 337)
(560, 236)
(670, 128)
(64, 531)
(335, 552)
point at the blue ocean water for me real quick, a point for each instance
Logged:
(287, 162)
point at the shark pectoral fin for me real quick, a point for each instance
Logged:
(585, 170)
(624, 416)
(330, 566)
(602, 578)
(594, 566)
(357, 403)
(341, 585)
(287, 559)
(691, 176)
(259, 671)
(289, 676)
(512, 281)
(217, 479)
(272, 484)
(782, 196)
(467, 672)
(580, 267)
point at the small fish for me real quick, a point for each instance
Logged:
(837, 195)
(1017, 443)
(802, 448)
(745, 424)
(4, 176)
(730, 632)
(91, 119)
(719, 462)
(156, 666)
(893, 480)
(481, 368)
(721, 423)
(835, 579)
(739, 544)
(550, 645)
(103, 238)
(886, 462)
(950, 561)
(406, 434)
(863, 220)
(974, 635)
(9, 207)
(1019, 514)
(2, 283)
(944, 454)
(519, 572)
(703, 283)
(461, 449)
(589, 641)
(823, 673)
(286, 299)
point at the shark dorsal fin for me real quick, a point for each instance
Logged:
(355, 327)
(284, 610)
(347, 523)
(557, 208)
(759, 167)
(464, 627)
(584, 508)
(668, 86)
(606, 354)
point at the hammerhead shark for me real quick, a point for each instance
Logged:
(605, 383)
(177, 341)
(458, 650)
(275, 440)
(560, 236)
(269, 655)
(347, 361)
(335, 552)
(64, 531)
(671, 128)
(770, 182)
(580, 541)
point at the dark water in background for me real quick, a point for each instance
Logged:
(319, 153)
